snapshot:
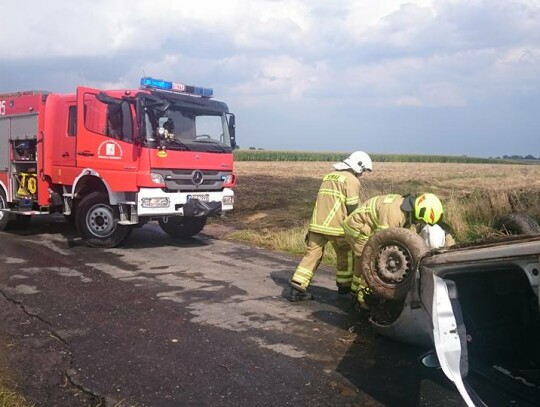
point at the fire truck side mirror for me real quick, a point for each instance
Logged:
(232, 130)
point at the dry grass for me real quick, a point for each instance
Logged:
(274, 200)
(441, 178)
(9, 398)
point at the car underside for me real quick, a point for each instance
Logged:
(489, 334)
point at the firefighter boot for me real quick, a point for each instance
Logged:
(361, 297)
(343, 289)
(296, 295)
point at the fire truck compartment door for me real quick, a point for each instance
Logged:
(101, 142)
(436, 296)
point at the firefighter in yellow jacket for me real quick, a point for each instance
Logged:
(382, 212)
(338, 196)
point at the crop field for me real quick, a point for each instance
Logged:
(274, 200)
(268, 155)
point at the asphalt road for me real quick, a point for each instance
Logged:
(201, 322)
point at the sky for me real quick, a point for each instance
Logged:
(450, 77)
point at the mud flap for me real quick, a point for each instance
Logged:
(449, 335)
(196, 208)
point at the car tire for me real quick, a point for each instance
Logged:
(517, 224)
(183, 227)
(97, 222)
(390, 260)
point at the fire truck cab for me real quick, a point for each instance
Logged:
(111, 160)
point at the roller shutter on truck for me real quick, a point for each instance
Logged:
(18, 158)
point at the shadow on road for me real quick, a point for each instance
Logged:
(58, 225)
(386, 370)
(393, 374)
(322, 295)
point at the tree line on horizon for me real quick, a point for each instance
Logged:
(518, 157)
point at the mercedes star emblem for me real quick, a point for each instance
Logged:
(197, 177)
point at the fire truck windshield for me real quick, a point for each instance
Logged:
(187, 129)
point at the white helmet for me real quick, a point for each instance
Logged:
(359, 162)
(434, 236)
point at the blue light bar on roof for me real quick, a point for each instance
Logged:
(148, 82)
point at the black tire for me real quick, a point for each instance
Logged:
(97, 221)
(183, 227)
(517, 224)
(4, 216)
(390, 260)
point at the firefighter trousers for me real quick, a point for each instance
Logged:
(316, 242)
(358, 284)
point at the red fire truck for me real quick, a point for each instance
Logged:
(112, 159)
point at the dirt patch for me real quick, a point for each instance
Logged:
(219, 229)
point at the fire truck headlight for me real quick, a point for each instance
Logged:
(157, 178)
(155, 202)
(228, 200)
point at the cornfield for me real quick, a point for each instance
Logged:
(264, 155)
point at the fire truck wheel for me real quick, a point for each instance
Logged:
(4, 216)
(97, 222)
(182, 227)
(390, 260)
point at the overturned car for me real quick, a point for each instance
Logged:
(477, 305)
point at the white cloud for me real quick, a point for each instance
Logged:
(259, 54)
(367, 18)
(280, 79)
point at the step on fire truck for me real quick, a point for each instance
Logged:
(110, 160)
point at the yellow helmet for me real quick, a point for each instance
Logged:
(428, 208)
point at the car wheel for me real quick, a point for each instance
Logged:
(390, 260)
(97, 222)
(182, 227)
(517, 224)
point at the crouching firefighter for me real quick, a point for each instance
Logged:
(338, 196)
(382, 212)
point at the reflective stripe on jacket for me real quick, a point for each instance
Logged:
(338, 190)
(378, 213)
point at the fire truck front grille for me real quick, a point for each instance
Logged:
(192, 180)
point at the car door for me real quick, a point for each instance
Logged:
(439, 298)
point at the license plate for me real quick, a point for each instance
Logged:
(200, 197)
